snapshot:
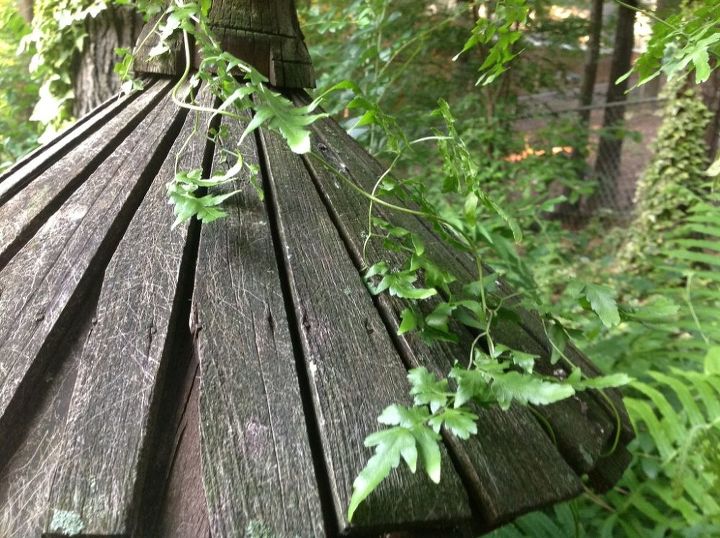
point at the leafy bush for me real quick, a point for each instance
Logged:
(17, 134)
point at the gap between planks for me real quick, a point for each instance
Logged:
(329, 339)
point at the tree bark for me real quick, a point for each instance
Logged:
(591, 59)
(607, 165)
(94, 80)
(568, 209)
(25, 7)
(711, 98)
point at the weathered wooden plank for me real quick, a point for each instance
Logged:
(502, 475)
(63, 135)
(267, 35)
(33, 449)
(353, 368)
(533, 326)
(43, 284)
(582, 438)
(582, 431)
(25, 212)
(610, 469)
(584, 426)
(112, 414)
(184, 512)
(257, 463)
(35, 164)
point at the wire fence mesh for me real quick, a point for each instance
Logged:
(616, 164)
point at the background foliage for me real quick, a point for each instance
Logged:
(19, 92)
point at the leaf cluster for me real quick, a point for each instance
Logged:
(239, 88)
(476, 227)
(17, 134)
(497, 34)
(685, 41)
(57, 35)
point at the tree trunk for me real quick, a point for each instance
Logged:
(25, 7)
(94, 80)
(591, 60)
(711, 98)
(607, 165)
(569, 210)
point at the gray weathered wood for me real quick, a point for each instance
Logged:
(33, 450)
(503, 475)
(25, 212)
(62, 136)
(264, 33)
(581, 425)
(533, 326)
(35, 164)
(353, 368)
(44, 284)
(104, 453)
(581, 430)
(257, 463)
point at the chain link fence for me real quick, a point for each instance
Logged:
(617, 164)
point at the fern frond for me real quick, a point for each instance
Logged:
(670, 487)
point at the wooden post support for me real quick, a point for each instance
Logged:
(264, 33)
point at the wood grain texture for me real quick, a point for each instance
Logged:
(105, 449)
(353, 368)
(173, 500)
(533, 326)
(502, 475)
(33, 450)
(29, 168)
(581, 430)
(170, 63)
(60, 137)
(43, 286)
(93, 76)
(25, 212)
(583, 425)
(184, 512)
(257, 463)
(267, 34)
(264, 33)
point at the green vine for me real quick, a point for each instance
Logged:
(477, 228)
(58, 33)
(675, 178)
(685, 41)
